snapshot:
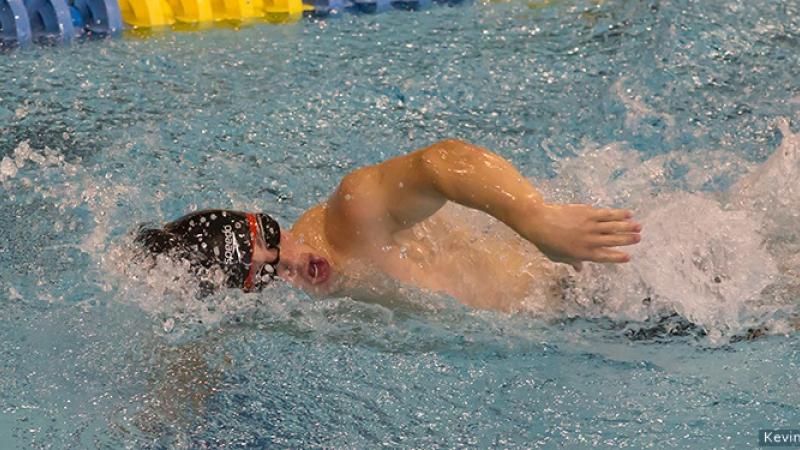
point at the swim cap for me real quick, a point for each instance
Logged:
(219, 239)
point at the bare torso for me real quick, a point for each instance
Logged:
(477, 260)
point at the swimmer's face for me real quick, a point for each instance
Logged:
(303, 266)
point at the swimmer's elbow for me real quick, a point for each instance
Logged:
(449, 156)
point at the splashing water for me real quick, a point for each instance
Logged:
(715, 258)
(772, 191)
(664, 107)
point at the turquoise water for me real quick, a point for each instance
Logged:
(661, 106)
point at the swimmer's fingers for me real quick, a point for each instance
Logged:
(605, 255)
(617, 240)
(611, 215)
(625, 226)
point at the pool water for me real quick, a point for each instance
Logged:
(663, 106)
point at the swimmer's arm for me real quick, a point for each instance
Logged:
(414, 186)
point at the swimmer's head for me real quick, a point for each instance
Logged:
(250, 249)
(245, 246)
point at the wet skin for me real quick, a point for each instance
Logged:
(358, 229)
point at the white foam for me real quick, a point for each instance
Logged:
(725, 261)
(703, 262)
(171, 294)
(7, 168)
(637, 109)
(772, 189)
(13, 294)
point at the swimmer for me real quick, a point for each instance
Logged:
(360, 243)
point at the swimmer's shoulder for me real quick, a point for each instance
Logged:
(356, 212)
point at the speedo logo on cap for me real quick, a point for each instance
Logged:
(231, 245)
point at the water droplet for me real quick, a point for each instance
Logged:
(169, 324)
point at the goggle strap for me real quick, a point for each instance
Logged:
(253, 223)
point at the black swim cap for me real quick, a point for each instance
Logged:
(219, 239)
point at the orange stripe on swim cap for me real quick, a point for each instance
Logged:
(251, 221)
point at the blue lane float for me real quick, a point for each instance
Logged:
(77, 19)
(15, 27)
(51, 20)
(410, 5)
(322, 8)
(373, 6)
(101, 17)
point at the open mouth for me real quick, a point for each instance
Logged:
(318, 270)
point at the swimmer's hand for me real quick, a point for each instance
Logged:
(573, 233)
